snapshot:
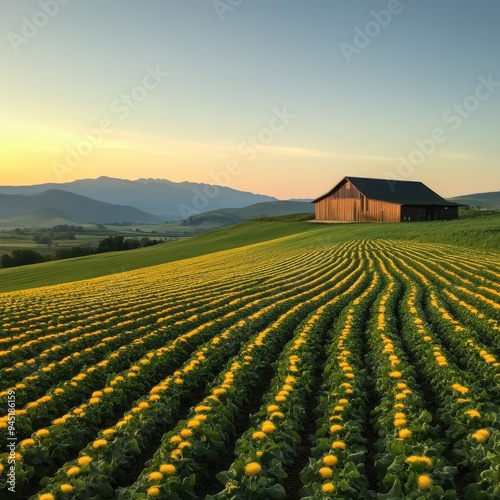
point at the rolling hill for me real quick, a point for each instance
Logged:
(70, 207)
(489, 201)
(45, 217)
(480, 232)
(228, 216)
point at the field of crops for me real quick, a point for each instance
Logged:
(362, 369)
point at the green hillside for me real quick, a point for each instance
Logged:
(479, 230)
(46, 217)
(489, 201)
(228, 216)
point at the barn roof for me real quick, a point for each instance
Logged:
(394, 191)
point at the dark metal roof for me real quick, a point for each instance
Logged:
(394, 191)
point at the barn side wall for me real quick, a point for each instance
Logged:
(428, 213)
(356, 209)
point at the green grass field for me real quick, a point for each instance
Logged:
(478, 230)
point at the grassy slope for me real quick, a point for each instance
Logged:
(480, 231)
(52, 273)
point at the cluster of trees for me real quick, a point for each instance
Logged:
(21, 258)
(110, 244)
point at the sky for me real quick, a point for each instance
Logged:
(281, 97)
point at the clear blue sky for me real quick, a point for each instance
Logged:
(232, 79)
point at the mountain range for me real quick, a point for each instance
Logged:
(163, 198)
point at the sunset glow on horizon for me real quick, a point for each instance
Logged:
(281, 98)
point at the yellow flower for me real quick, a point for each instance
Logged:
(108, 432)
(73, 471)
(325, 472)
(424, 482)
(338, 445)
(400, 422)
(185, 433)
(277, 414)
(272, 408)
(328, 488)
(280, 399)
(42, 433)
(201, 408)
(395, 375)
(404, 433)
(268, 427)
(259, 435)
(27, 442)
(153, 491)
(335, 428)
(168, 469)
(252, 469)
(473, 413)
(46, 496)
(99, 443)
(460, 388)
(85, 460)
(414, 459)
(66, 488)
(481, 435)
(175, 439)
(184, 444)
(155, 476)
(330, 460)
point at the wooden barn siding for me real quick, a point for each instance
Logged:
(346, 192)
(355, 209)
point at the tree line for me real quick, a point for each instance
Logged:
(22, 257)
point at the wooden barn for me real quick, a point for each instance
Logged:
(360, 199)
